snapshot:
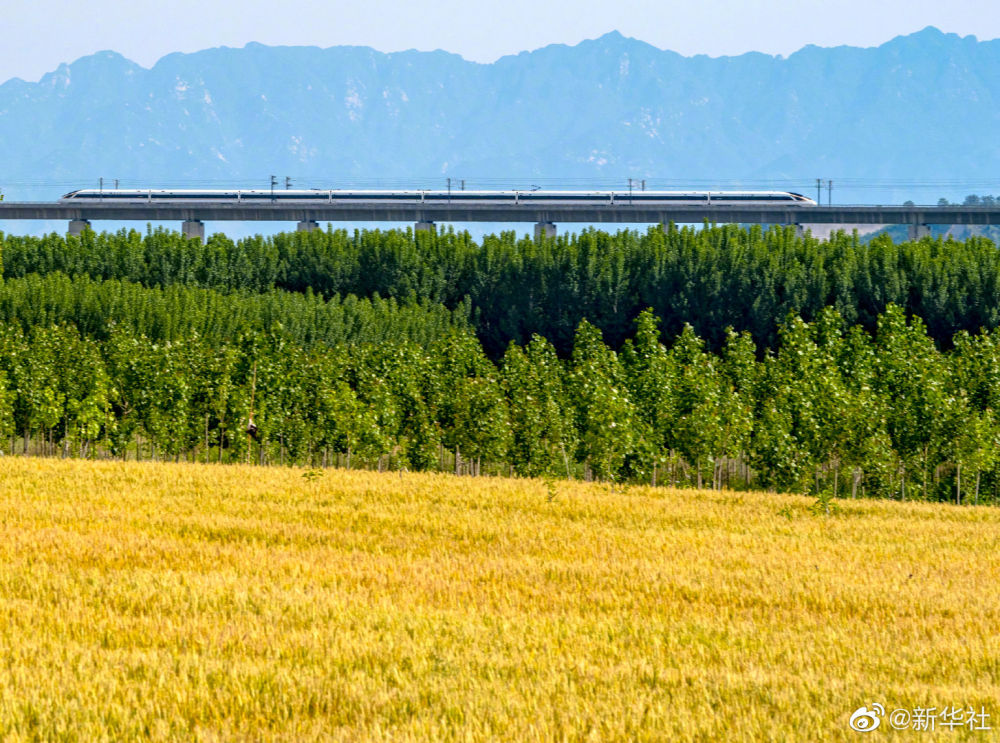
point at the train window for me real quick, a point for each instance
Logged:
(378, 196)
(201, 196)
(528, 196)
(465, 196)
(661, 197)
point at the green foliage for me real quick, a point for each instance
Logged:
(832, 411)
(177, 312)
(542, 427)
(603, 410)
(717, 357)
(511, 288)
(825, 504)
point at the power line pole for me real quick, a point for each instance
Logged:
(288, 182)
(630, 190)
(274, 182)
(829, 193)
(819, 190)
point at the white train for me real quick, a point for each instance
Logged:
(534, 198)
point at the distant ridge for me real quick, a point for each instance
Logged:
(920, 107)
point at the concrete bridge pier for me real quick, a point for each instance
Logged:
(424, 225)
(77, 226)
(193, 228)
(800, 230)
(307, 225)
(917, 231)
(545, 229)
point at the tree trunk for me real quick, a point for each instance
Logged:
(958, 485)
(654, 474)
(975, 501)
(925, 473)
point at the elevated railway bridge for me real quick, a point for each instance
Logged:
(308, 216)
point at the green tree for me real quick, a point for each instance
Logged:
(542, 433)
(604, 413)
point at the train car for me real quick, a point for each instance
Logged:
(187, 196)
(736, 198)
(535, 198)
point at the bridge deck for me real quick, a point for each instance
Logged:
(618, 213)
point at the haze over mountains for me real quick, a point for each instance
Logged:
(919, 108)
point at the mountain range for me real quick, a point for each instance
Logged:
(922, 109)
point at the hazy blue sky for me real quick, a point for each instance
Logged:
(40, 34)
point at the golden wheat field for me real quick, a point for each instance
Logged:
(191, 602)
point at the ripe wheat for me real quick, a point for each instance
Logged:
(187, 602)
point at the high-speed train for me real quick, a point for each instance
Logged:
(565, 198)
